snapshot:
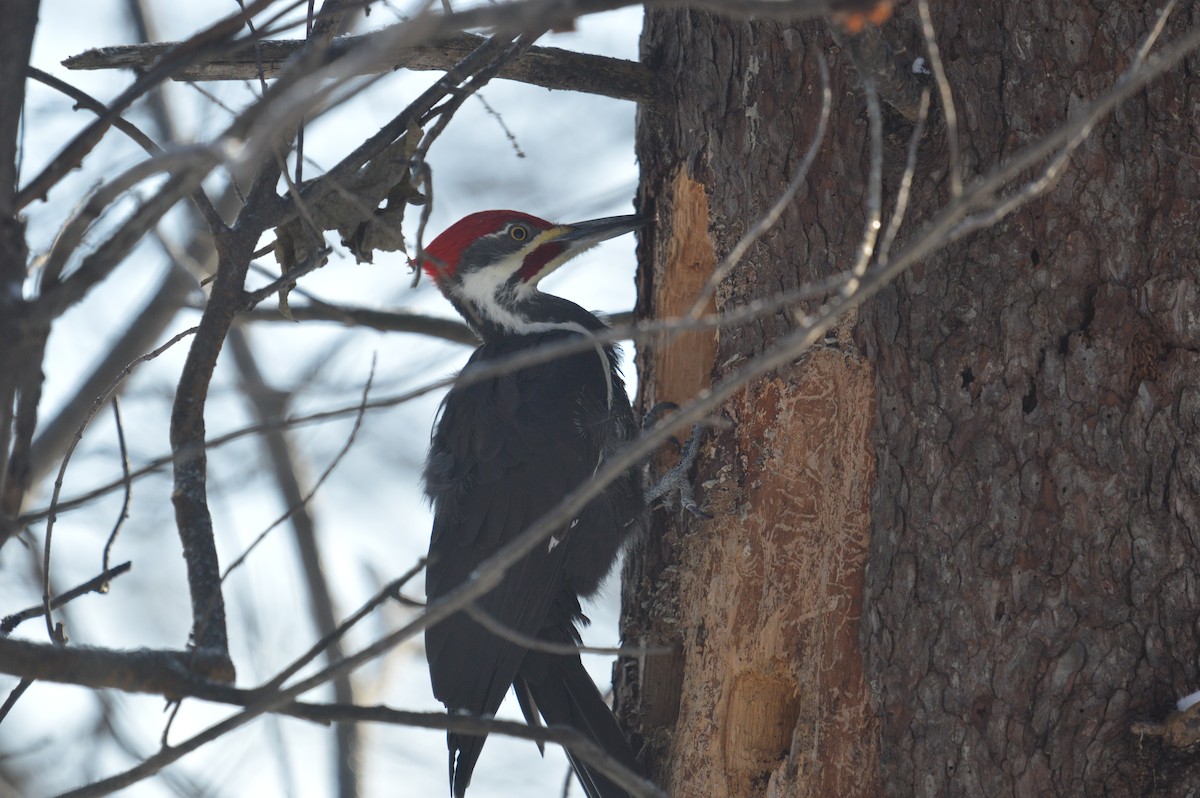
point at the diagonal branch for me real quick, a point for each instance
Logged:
(548, 67)
(16, 380)
(215, 37)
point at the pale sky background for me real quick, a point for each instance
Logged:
(372, 519)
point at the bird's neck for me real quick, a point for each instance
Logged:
(529, 317)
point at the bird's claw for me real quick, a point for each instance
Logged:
(676, 485)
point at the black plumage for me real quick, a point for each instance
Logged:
(505, 450)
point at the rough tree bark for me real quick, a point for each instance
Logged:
(763, 602)
(955, 549)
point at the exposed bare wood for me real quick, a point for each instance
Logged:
(768, 696)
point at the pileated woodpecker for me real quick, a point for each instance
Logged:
(504, 452)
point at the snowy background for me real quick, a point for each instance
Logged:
(372, 520)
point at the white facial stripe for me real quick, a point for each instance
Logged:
(479, 289)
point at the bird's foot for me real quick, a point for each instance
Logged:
(674, 488)
(657, 414)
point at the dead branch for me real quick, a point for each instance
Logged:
(156, 671)
(127, 478)
(172, 673)
(503, 630)
(16, 42)
(384, 321)
(949, 113)
(267, 403)
(547, 67)
(215, 37)
(97, 584)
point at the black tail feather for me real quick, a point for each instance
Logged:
(565, 695)
(464, 753)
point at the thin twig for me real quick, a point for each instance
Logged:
(768, 220)
(13, 697)
(124, 452)
(948, 110)
(313, 262)
(67, 242)
(97, 584)
(902, 193)
(390, 590)
(1155, 32)
(358, 419)
(506, 632)
(385, 321)
(51, 512)
(640, 331)
(866, 247)
(85, 100)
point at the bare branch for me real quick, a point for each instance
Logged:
(768, 220)
(947, 96)
(902, 193)
(215, 37)
(501, 630)
(390, 590)
(1155, 32)
(866, 247)
(98, 584)
(124, 452)
(181, 160)
(313, 262)
(384, 321)
(96, 266)
(547, 67)
(85, 100)
(14, 697)
(641, 331)
(307, 497)
(166, 672)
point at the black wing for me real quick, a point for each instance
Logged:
(504, 452)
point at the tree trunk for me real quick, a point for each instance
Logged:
(764, 601)
(954, 549)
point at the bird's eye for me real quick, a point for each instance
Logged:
(518, 233)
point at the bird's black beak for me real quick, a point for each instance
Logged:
(554, 247)
(581, 235)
